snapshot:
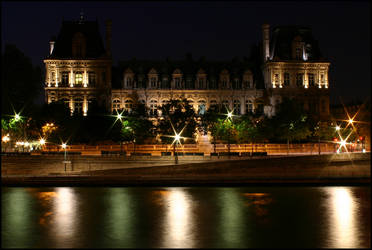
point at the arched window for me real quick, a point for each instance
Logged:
(236, 107)
(116, 104)
(128, 105)
(153, 108)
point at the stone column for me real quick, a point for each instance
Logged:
(71, 105)
(71, 78)
(85, 106)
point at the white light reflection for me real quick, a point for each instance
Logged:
(65, 216)
(179, 220)
(342, 218)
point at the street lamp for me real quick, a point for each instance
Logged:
(337, 128)
(17, 117)
(64, 146)
(229, 117)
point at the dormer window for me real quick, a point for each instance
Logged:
(78, 45)
(153, 82)
(177, 81)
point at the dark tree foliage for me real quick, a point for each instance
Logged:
(182, 115)
(21, 82)
(290, 122)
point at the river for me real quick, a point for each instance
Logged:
(186, 217)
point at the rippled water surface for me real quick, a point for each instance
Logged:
(233, 217)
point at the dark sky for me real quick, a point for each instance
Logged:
(217, 30)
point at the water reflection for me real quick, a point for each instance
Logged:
(342, 223)
(119, 218)
(178, 220)
(65, 221)
(232, 218)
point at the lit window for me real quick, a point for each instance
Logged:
(128, 105)
(153, 108)
(116, 104)
(78, 78)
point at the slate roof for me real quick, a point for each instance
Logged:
(281, 42)
(188, 67)
(90, 29)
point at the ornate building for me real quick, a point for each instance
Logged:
(79, 70)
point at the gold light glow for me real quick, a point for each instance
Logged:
(64, 145)
(6, 138)
(337, 128)
(17, 117)
(42, 141)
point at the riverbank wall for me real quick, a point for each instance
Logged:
(86, 170)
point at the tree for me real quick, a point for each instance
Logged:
(181, 115)
(290, 122)
(21, 82)
(209, 122)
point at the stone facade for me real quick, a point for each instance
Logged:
(79, 70)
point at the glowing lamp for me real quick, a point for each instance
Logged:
(229, 115)
(350, 120)
(6, 138)
(343, 143)
(42, 141)
(17, 117)
(177, 137)
(64, 145)
(337, 128)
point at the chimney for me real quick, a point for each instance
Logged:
(265, 41)
(108, 37)
(51, 47)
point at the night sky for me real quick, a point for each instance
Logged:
(217, 30)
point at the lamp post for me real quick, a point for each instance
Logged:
(64, 147)
(229, 118)
(176, 140)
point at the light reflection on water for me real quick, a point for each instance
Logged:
(331, 217)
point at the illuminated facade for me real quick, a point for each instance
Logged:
(79, 70)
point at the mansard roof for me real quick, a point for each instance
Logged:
(283, 36)
(91, 34)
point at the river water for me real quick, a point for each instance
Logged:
(171, 217)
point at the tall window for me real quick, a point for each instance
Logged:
(286, 79)
(224, 83)
(212, 84)
(299, 79)
(225, 106)
(128, 105)
(65, 78)
(164, 83)
(248, 106)
(247, 84)
(116, 104)
(298, 53)
(153, 108)
(128, 82)
(78, 77)
(276, 79)
(78, 106)
(236, 107)
(201, 107)
(236, 84)
(92, 78)
(260, 108)
(177, 81)
(311, 79)
(153, 82)
(201, 83)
